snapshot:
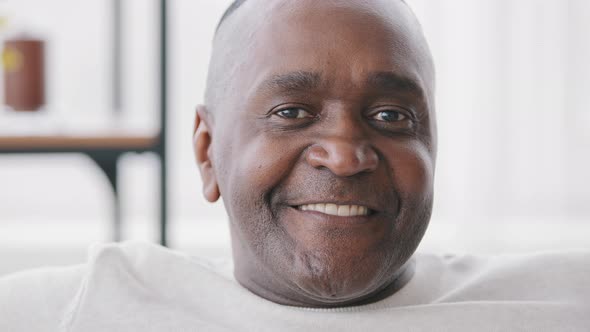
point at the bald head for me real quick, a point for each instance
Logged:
(235, 5)
(232, 8)
(237, 31)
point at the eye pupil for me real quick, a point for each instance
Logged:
(293, 113)
(390, 116)
(290, 113)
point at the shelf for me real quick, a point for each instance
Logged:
(102, 140)
(109, 141)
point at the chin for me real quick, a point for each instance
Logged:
(324, 280)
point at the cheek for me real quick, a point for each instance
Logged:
(254, 167)
(412, 166)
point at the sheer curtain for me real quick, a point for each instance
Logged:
(513, 109)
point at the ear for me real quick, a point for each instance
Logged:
(202, 148)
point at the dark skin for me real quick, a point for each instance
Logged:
(314, 103)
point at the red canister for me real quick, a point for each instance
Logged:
(24, 74)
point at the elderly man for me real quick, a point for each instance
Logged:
(318, 132)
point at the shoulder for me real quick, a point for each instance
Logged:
(541, 276)
(573, 261)
(36, 300)
(144, 282)
(144, 257)
(45, 298)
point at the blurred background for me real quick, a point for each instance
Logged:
(513, 169)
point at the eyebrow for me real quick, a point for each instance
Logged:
(390, 81)
(299, 81)
(293, 81)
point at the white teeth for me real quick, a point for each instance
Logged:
(337, 210)
(331, 209)
(344, 210)
(362, 210)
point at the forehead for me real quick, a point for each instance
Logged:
(344, 42)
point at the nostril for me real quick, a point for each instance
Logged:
(343, 157)
(316, 156)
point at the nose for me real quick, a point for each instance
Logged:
(343, 156)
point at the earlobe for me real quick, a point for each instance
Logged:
(202, 145)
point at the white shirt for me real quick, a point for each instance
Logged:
(145, 287)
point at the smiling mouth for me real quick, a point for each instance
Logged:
(336, 210)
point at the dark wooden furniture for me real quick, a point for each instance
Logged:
(105, 148)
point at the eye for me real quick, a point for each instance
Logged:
(294, 113)
(390, 116)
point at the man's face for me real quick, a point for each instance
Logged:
(322, 147)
